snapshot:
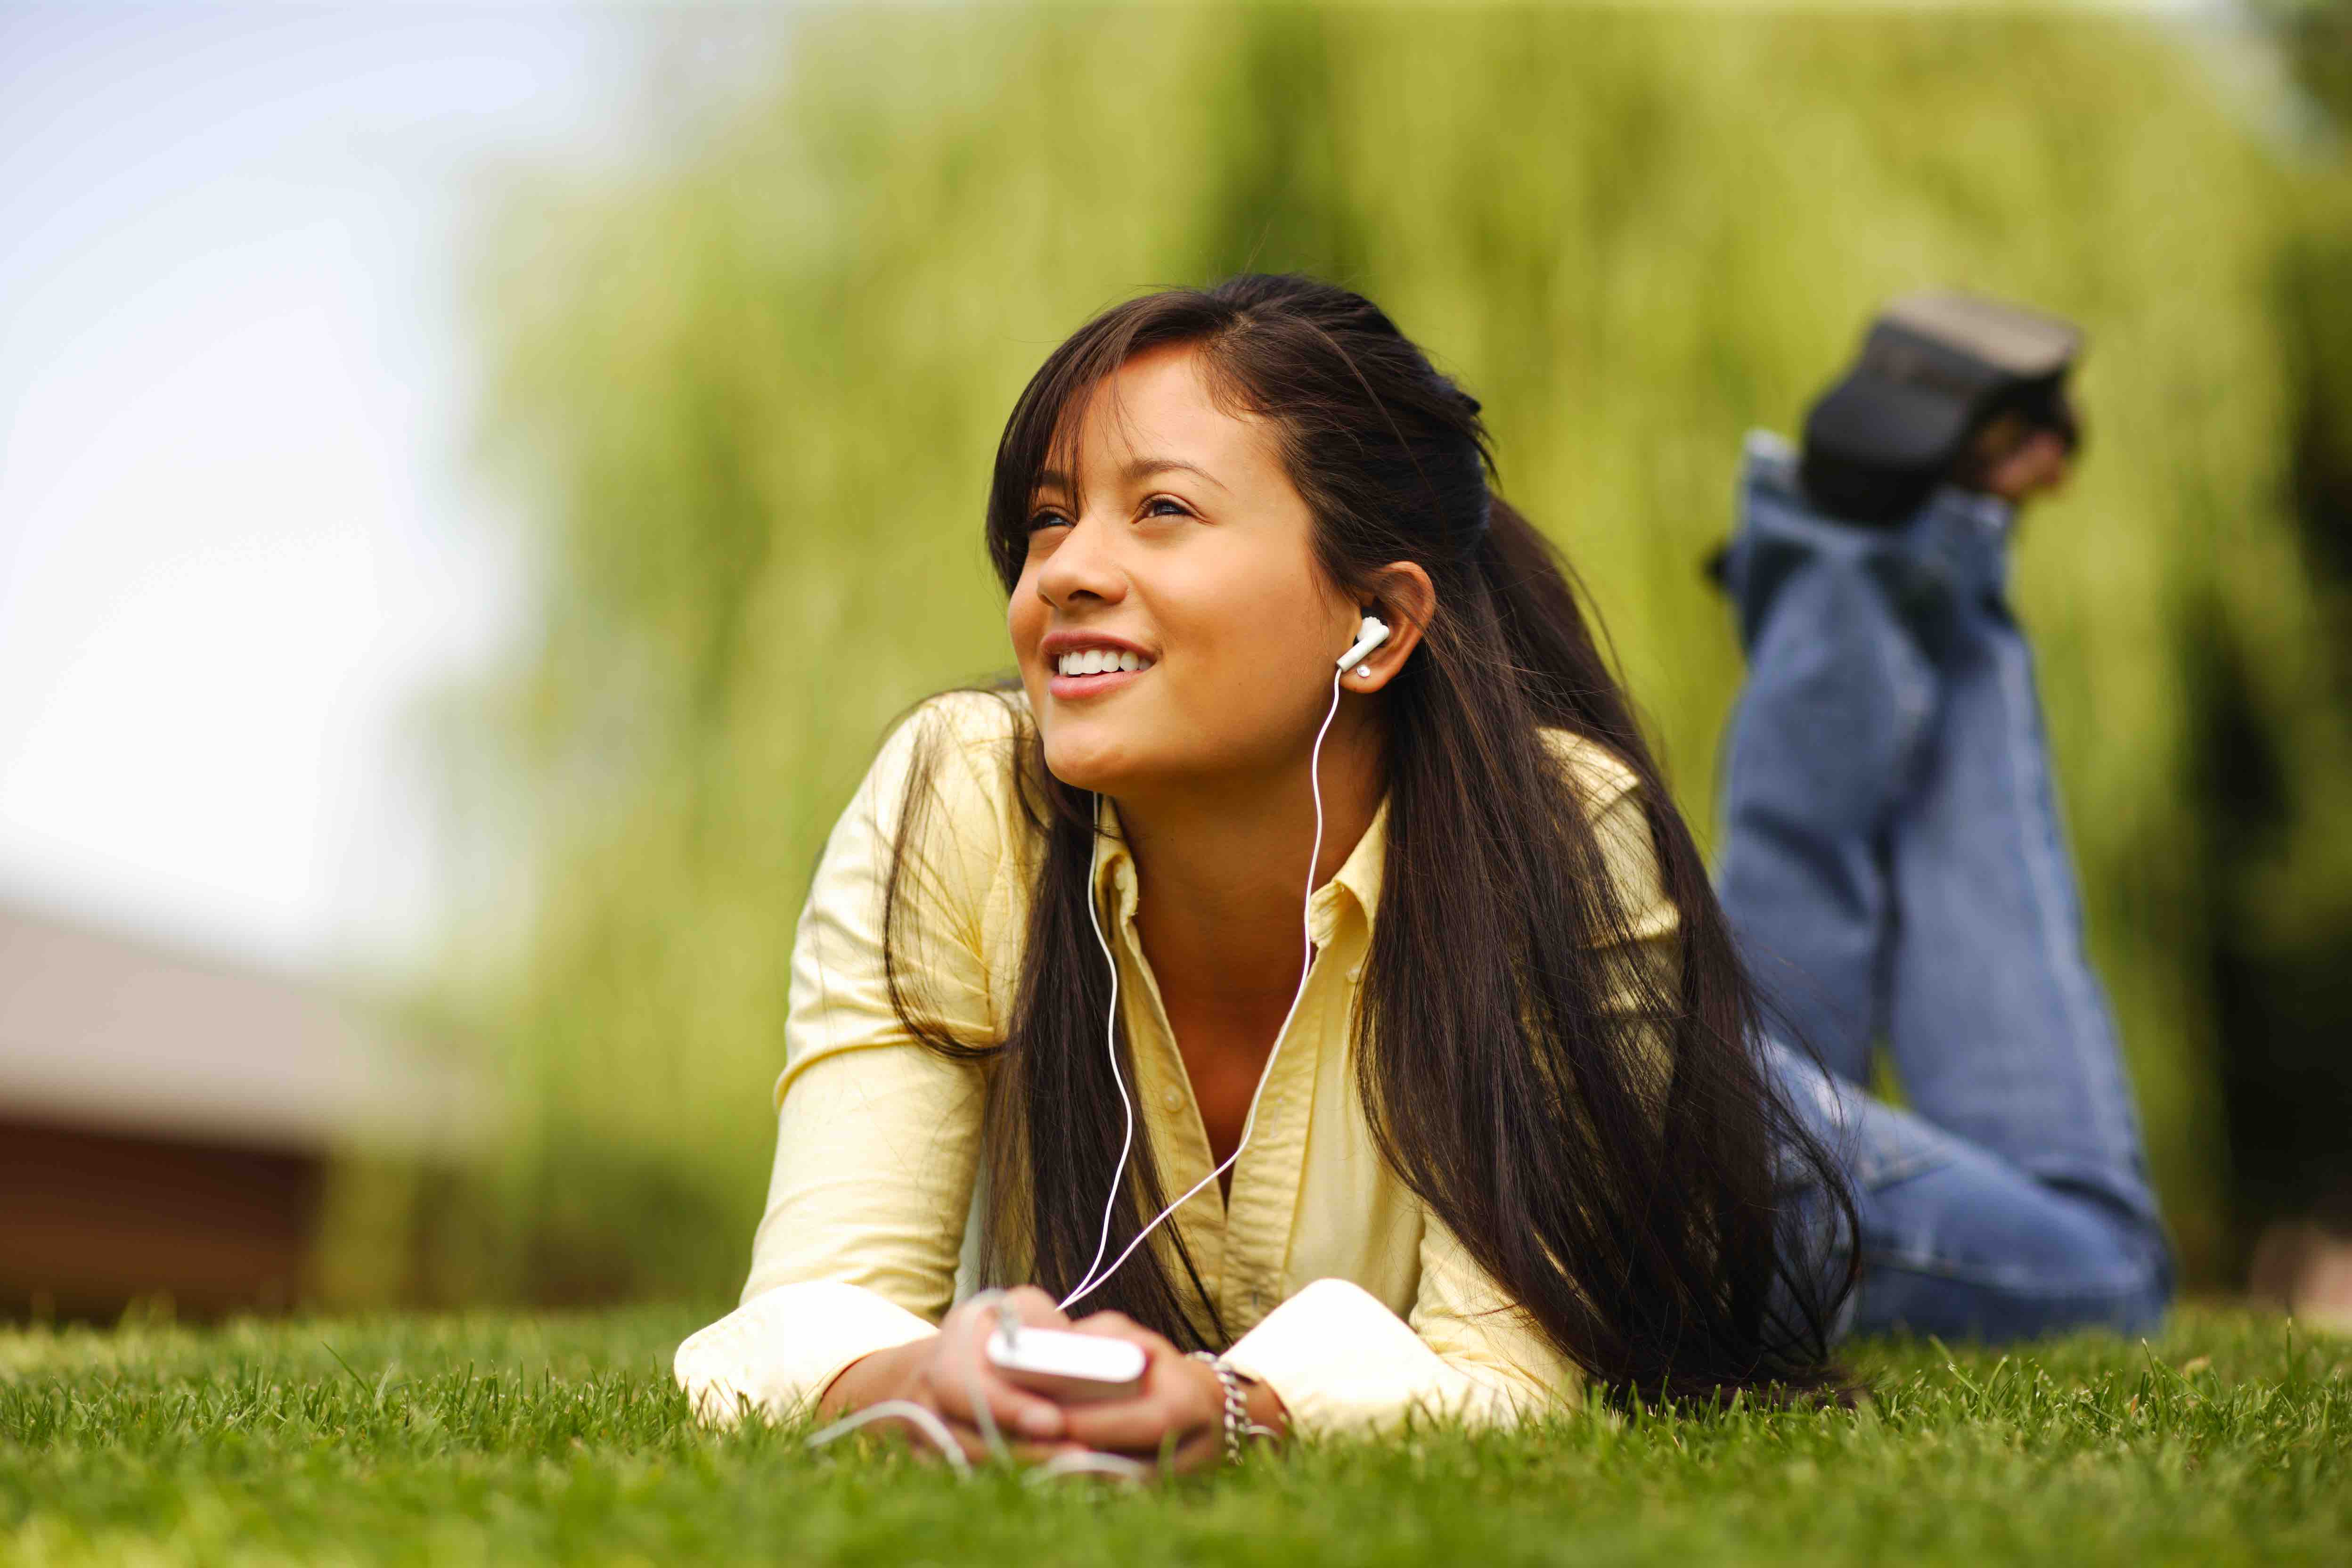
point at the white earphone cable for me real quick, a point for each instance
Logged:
(1110, 1045)
(1249, 1123)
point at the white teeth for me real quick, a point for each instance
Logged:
(1100, 661)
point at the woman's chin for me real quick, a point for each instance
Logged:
(1081, 760)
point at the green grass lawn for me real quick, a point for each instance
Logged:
(512, 1437)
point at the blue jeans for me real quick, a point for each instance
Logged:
(1894, 868)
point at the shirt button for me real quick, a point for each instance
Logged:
(1169, 1098)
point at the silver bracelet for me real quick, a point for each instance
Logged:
(1238, 1425)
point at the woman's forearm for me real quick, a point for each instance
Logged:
(871, 1378)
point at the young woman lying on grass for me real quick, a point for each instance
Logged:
(1433, 1033)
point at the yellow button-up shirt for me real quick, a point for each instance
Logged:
(1350, 1299)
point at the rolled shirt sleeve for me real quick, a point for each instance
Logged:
(1343, 1363)
(877, 1135)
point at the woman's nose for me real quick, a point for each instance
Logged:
(1083, 565)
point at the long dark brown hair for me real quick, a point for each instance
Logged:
(1596, 1129)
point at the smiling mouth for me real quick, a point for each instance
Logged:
(1100, 661)
(1091, 672)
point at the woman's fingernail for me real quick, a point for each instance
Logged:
(1041, 1423)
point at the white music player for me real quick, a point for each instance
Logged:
(1070, 1369)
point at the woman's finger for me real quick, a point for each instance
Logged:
(962, 1392)
(1179, 1395)
(960, 1381)
(1185, 1449)
(1036, 1308)
(1125, 1426)
(1203, 1448)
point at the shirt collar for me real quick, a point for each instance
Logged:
(1357, 880)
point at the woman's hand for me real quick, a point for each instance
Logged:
(949, 1375)
(1181, 1404)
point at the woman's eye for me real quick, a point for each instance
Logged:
(1046, 519)
(1179, 510)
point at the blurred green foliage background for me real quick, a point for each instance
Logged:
(747, 393)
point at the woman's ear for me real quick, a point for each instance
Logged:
(1403, 597)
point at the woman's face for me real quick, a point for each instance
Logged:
(1171, 624)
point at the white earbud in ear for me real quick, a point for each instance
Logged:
(1375, 632)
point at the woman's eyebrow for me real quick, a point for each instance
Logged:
(1141, 468)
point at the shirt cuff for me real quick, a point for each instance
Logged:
(781, 1349)
(1342, 1362)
